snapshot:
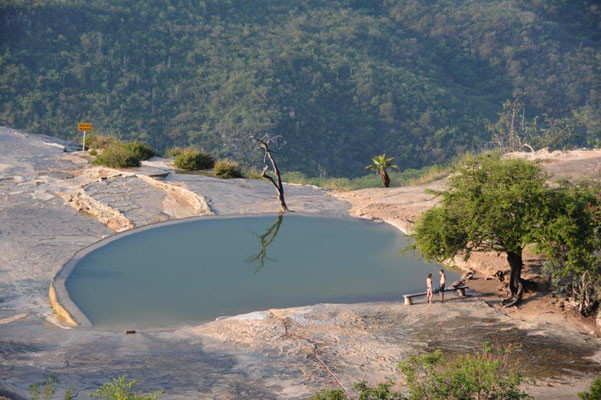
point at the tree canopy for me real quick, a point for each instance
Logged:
(492, 204)
(340, 79)
(380, 164)
(571, 239)
(502, 205)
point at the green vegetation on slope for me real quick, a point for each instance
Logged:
(487, 374)
(116, 389)
(342, 80)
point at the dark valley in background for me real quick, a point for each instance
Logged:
(341, 80)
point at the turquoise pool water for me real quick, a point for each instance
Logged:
(195, 271)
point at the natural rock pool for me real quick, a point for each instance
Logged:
(196, 271)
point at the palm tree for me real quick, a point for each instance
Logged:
(379, 165)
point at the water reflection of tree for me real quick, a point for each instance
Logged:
(265, 240)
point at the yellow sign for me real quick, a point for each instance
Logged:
(84, 126)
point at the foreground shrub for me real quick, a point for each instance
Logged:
(329, 394)
(227, 169)
(119, 155)
(594, 392)
(488, 374)
(364, 392)
(122, 389)
(192, 159)
(116, 389)
(46, 390)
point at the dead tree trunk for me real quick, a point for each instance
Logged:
(514, 138)
(268, 159)
(516, 284)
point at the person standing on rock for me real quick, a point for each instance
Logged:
(443, 281)
(429, 288)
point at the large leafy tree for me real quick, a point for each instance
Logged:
(492, 204)
(571, 240)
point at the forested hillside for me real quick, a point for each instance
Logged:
(341, 80)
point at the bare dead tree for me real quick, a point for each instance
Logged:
(529, 147)
(515, 108)
(508, 134)
(265, 143)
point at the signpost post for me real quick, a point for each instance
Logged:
(84, 126)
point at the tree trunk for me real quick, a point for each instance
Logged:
(278, 185)
(268, 158)
(516, 285)
(385, 178)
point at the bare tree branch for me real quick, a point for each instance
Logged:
(269, 162)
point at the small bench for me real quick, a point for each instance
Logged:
(409, 297)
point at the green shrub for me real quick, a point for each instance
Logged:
(173, 152)
(192, 159)
(143, 150)
(382, 391)
(488, 374)
(118, 155)
(93, 152)
(594, 392)
(329, 394)
(227, 169)
(124, 155)
(46, 390)
(122, 389)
